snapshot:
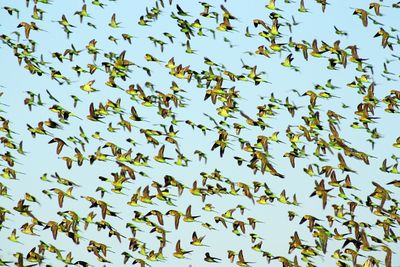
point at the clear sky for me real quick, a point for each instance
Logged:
(228, 50)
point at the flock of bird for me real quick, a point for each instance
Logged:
(164, 145)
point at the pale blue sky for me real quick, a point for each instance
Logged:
(275, 229)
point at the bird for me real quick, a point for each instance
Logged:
(179, 252)
(363, 15)
(60, 144)
(209, 258)
(113, 23)
(241, 261)
(155, 98)
(87, 87)
(188, 217)
(13, 236)
(28, 27)
(160, 156)
(197, 241)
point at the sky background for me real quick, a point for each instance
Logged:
(275, 228)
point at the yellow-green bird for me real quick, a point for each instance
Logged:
(363, 15)
(160, 156)
(241, 261)
(179, 252)
(209, 258)
(82, 13)
(397, 143)
(13, 237)
(113, 23)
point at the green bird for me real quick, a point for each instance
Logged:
(179, 252)
(113, 23)
(209, 258)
